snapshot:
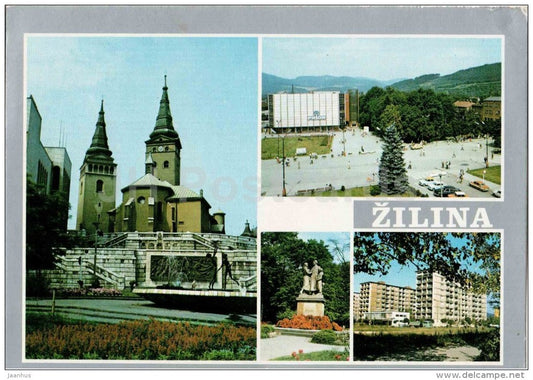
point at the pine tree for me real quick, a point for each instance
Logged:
(392, 171)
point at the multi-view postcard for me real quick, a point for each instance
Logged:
(228, 199)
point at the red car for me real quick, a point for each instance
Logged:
(479, 185)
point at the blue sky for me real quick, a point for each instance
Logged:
(381, 58)
(343, 238)
(213, 98)
(405, 275)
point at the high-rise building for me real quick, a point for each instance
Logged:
(440, 299)
(380, 300)
(48, 167)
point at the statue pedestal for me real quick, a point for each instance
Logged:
(310, 304)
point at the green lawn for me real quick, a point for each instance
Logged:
(362, 191)
(273, 147)
(493, 174)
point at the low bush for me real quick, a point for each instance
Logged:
(90, 292)
(37, 285)
(306, 322)
(325, 337)
(142, 340)
(375, 190)
(266, 330)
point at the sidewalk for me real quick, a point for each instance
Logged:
(285, 345)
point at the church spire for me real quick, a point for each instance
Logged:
(163, 124)
(99, 145)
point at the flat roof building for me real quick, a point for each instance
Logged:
(303, 112)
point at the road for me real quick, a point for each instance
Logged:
(359, 167)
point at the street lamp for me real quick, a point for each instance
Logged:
(96, 224)
(441, 186)
(277, 122)
(284, 191)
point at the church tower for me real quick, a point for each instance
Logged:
(97, 183)
(164, 144)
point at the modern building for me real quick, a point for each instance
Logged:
(439, 299)
(320, 111)
(356, 306)
(49, 167)
(491, 108)
(379, 300)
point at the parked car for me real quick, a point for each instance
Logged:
(426, 181)
(435, 185)
(446, 191)
(497, 193)
(458, 194)
(479, 186)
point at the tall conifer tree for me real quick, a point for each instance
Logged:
(392, 171)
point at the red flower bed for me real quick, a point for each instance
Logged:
(307, 322)
(143, 340)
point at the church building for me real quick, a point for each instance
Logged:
(154, 202)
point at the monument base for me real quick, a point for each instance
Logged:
(312, 305)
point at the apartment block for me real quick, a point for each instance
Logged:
(438, 299)
(378, 300)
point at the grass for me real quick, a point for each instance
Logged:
(493, 174)
(362, 191)
(272, 147)
(315, 356)
(418, 330)
(419, 344)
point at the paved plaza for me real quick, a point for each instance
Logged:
(360, 166)
(285, 345)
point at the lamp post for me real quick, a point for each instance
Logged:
(96, 224)
(283, 191)
(487, 150)
(277, 122)
(441, 186)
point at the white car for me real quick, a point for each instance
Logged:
(425, 181)
(497, 193)
(435, 185)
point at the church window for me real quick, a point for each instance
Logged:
(99, 186)
(141, 200)
(90, 167)
(166, 149)
(165, 164)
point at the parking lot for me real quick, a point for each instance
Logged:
(360, 166)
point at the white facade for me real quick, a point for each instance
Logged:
(314, 110)
(440, 299)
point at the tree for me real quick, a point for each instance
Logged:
(392, 172)
(470, 259)
(282, 257)
(46, 234)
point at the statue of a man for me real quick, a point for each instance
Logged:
(307, 278)
(316, 277)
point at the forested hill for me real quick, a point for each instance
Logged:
(481, 81)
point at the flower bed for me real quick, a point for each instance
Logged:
(306, 322)
(90, 292)
(143, 340)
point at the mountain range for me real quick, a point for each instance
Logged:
(480, 81)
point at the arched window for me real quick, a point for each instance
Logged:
(99, 186)
(141, 200)
(165, 164)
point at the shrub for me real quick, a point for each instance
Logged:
(306, 322)
(266, 330)
(375, 190)
(143, 340)
(287, 314)
(325, 337)
(37, 285)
